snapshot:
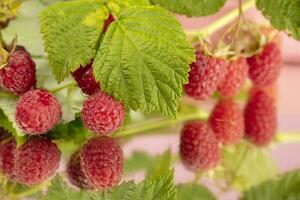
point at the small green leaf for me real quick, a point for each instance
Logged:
(191, 7)
(284, 15)
(161, 163)
(284, 187)
(138, 161)
(192, 191)
(144, 59)
(71, 33)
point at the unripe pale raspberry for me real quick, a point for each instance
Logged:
(102, 162)
(75, 173)
(227, 122)
(36, 160)
(7, 150)
(206, 74)
(37, 112)
(199, 149)
(102, 114)
(237, 72)
(265, 67)
(18, 76)
(260, 119)
(85, 80)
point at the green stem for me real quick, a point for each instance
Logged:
(210, 29)
(157, 124)
(62, 87)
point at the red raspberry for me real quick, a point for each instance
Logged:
(37, 112)
(227, 122)
(108, 21)
(260, 118)
(36, 160)
(102, 161)
(85, 80)
(237, 72)
(7, 149)
(265, 67)
(205, 76)
(18, 76)
(199, 149)
(75, 173)
(102, 114)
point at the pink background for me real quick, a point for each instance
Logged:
(286, 155)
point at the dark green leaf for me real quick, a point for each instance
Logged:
(192, 191)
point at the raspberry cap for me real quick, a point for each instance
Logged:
(36, 160)
(199, 149)
(227, 122)
(37, 112)
(85, 80)
(265, 66)
(260, 118)
(18, 76)
(7, 149)
(75, 173)
(102, 161)
(237, 72)
(102, 114)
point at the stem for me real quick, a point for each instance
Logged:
(62, 87)
(156, 124)
(230, 16)
(31, 191)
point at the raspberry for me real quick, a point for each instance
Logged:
(260, 118)
(85, 80)
(7, 149)
(205, 76)
(199, 149)
(18, 76)
(237, 72)
(36, 160)
(37, 112)
(102, 114)
(107, 22)
(227, 122)
(102, 161)
(265, 67)
(75, 173)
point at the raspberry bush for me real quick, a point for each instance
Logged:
(83, 77)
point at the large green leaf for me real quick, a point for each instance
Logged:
(284, 187)
(191, 191)
(191, 7)
(71, 33)
(144, 59)
(283, 15)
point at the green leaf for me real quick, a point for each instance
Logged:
(161, 163)
(144, 59)
(193, 191)
(71, 33)
(59, 190)
(191, 7)
(5, 123)
(283, 15)
(138, 161)
(245, 166)
(284, 187)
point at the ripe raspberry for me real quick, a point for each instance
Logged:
(199, 149)
(102, 162)
(227, 122)
(237, 72)
(265, 67)
(102, 114)
(7, 149)
(37, 112)
(36, 160)
(85, 80)
(260, 119)
(107, 22)
(75, 173)
(205, 76)
(18, 76)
